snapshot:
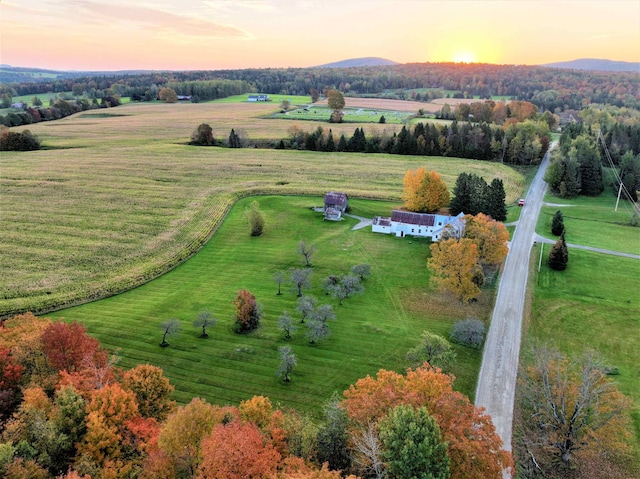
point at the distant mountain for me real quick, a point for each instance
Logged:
(597, 64)
(359, 62)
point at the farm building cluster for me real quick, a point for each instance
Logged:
(421, 225)
(401, 223)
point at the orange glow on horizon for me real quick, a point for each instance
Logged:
(465, 57)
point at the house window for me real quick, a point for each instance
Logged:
(412, 230)
(439, 223)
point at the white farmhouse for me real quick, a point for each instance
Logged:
(422, 225)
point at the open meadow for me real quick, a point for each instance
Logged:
(371, 331)
(118, 197)
(594, 303)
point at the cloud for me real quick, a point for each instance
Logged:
(159, 21)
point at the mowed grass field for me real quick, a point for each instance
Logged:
(371, 331)
(592, 305)
(592, 221)
(118, 196)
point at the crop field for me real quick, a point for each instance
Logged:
(371, 331)
(119, 197)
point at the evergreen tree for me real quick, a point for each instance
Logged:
(234, 139)
(557, 224)
(330, 146)
(559, 255)
(586, 154)
(342, 143)
(414, 447)
(496, 207)
(461, 202)
(570, 184)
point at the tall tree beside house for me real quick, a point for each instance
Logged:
(424, 191)
(495, 205)
(454, 265)
(470, 196)
(559, 255)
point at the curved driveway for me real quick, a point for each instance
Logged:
(497, 380)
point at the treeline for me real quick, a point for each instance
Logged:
(576, 167)
(548, 88)
(59, 109)
(519, 143)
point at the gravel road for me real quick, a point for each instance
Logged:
(497, 379)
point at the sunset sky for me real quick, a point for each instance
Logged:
(229, 34)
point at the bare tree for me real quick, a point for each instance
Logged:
(339, 292)
(351, 285)
(307, 251)
(288, 361)
(279, 277)
(306, 306)
(368, 448)
(300, 279)
(169, 327)
(204, 320)
(569, 406)
(323, 313)
(329, 283)
(362, 271)
(285, 322)
(317, 330)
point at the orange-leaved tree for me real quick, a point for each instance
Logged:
(424, 191)
(473, 446)
(179, 443)
(152, 389)
(454, 267)
(237, 450)
(490, 237)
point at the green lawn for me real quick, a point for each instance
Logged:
(592, 221)
(86, 217)
(594, 304)
(372, 331)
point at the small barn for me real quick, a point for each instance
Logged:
(335, 204)
(421, 225)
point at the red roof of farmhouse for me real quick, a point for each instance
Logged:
(408, 217)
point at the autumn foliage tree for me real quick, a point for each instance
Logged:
(489, 236)
(67, 345)
(237, 450)
(473, 446)
(152, 390)
(424, 191)
(571, 411)
(454, 265)
(248, 312)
